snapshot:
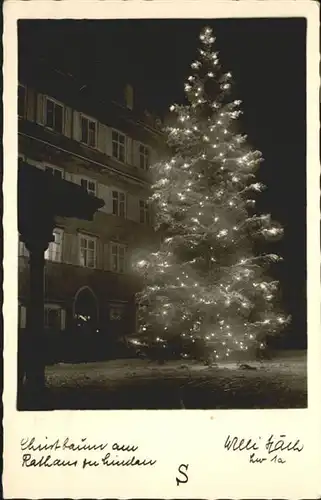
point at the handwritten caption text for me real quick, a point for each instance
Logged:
(83, 454)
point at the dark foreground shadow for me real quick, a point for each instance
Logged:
(164, 394)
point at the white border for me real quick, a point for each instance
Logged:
(172, 437)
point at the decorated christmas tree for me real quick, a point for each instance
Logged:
(205, 283)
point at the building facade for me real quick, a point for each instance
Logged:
(70, 132)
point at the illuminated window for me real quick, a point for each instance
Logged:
(22, 250)
(54, 250)
(22, 316)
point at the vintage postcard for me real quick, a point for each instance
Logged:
(162, 249)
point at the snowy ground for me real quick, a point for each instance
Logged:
(140, 384)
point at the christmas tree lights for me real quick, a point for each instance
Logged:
(204, 282)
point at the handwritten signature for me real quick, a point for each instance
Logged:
(273, 445)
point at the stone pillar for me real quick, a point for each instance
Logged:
(34, 344)
(35, 366)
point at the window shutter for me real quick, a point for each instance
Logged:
(76, 179)
(102, 137)
(136, 153)
(109, 144)
(63, 319)
(31, 104)
(129, 150)
(68, 248)
(132, 208)
(23, 316)
(35, 163)
(76, 126)
(153, 156)
(68, 122)
(106, 257)
(105, 193)
(68, 177)
(75, 249)
(40, 109)
(99, 254)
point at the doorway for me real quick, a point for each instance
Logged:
(86, 309)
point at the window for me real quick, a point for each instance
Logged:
(89, 186)
(118, 143)
(54, 112)
(87, 251)
(117, 312)
(54, 250)
(22, 250)
(144, 212)
(55, 171)
(22, 94)
(118, 253)
(53, 317)
(22, 316)
(143, 157)
(88, 131)
(119, 203)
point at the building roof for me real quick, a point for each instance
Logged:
(83, 96)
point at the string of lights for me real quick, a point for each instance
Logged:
(205, 282)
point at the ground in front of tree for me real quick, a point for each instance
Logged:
(140, 384)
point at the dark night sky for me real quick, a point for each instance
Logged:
(267, 61)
